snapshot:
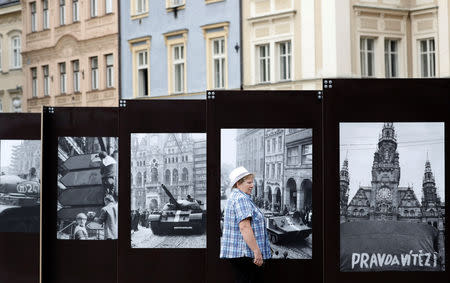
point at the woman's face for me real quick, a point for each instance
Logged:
(246, 186)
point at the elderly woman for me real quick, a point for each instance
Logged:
(244, 239)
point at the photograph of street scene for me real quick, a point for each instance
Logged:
(20, 185)
(392, 210)
(168, 190)
(281, 160)
(87, 188)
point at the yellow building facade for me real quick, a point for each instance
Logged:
(11, 74)
(70, 53)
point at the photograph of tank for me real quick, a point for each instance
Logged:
(20, 185)
(392, 210)
(281, 160)
(168, 190)
(87, 188)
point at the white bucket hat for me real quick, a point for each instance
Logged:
(237, 174)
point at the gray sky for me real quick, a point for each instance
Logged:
(6, 150)
(359, 142)
(228, 146)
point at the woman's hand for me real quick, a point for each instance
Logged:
(258, 260)
(249, 237)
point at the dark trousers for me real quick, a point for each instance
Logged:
(246, 271)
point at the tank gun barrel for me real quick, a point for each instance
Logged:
(172, 199)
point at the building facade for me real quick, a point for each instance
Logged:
(200, 170)
(11, 74)
(25, 156)
(274, 167)
(70, 53)
(179, 48)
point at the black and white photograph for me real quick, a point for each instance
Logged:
(281, 162)
(168, 190)
(392, 210)
(87, 188)
(19, 185)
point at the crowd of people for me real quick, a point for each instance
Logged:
(139, 217)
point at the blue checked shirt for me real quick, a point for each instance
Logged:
(239, 207)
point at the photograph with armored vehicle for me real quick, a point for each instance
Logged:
(19, 185)
(281, 161)
(168, 190)
(87, 188)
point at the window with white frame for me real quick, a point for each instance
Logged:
(141, 6)
(62, 77)
(284, 51)
(142, 66)
(263, 62)
(367, 49)
(75, 11)
(16, 57)
(34, 82)
(292, 155)
(427, 58)
(218, 57)
(94, 73)
(45, 15)
(76, 75)
(33, 16)
(391, 58)
(178, 68)
(94, 7)
(46, 80)
(62, 12)
(109, 70)
(108, 6)
(175, 3)
(307, 154)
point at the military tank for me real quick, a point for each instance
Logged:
(286, 228)
(179, 215)
(19, 204)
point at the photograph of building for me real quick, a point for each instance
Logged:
(70, 53)
(87, 188)
(281, 160)
(20, 185)
(412, 151)
(168, 190)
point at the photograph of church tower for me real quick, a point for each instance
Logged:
(403, 182)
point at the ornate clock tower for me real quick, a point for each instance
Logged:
(385, 176)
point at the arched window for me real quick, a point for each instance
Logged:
(184, 176)
(355, 212)
(361, 212)
(175, 176)
(16, 57)
(154, 175)
(167, 177)
(139, 179)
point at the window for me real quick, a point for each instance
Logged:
(109, 70)
(267, 170)
(218, 56)
(178, 68)
(263, 52)
(279, 143)
(141, 6)
(62, 12)
(274, 144)
(33, 82)
(142, 66)
(45, 14)
(292, 156)
(94, 73)
(284, 49)
(94, 7)
(33, 16)
(75, 11)
(427, 58)
(108, 6)
(278, 170)
(268, 146)
(391, 58)
(62, 76)
(46, 81)
(307, 154)
(367, 57)
(16, 59)
(273, 171)
(174, 3)
(76, 75)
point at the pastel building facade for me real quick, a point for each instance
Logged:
(11, 74)
(70, 53)
(179, 48)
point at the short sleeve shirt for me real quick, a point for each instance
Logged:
(239, 207)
